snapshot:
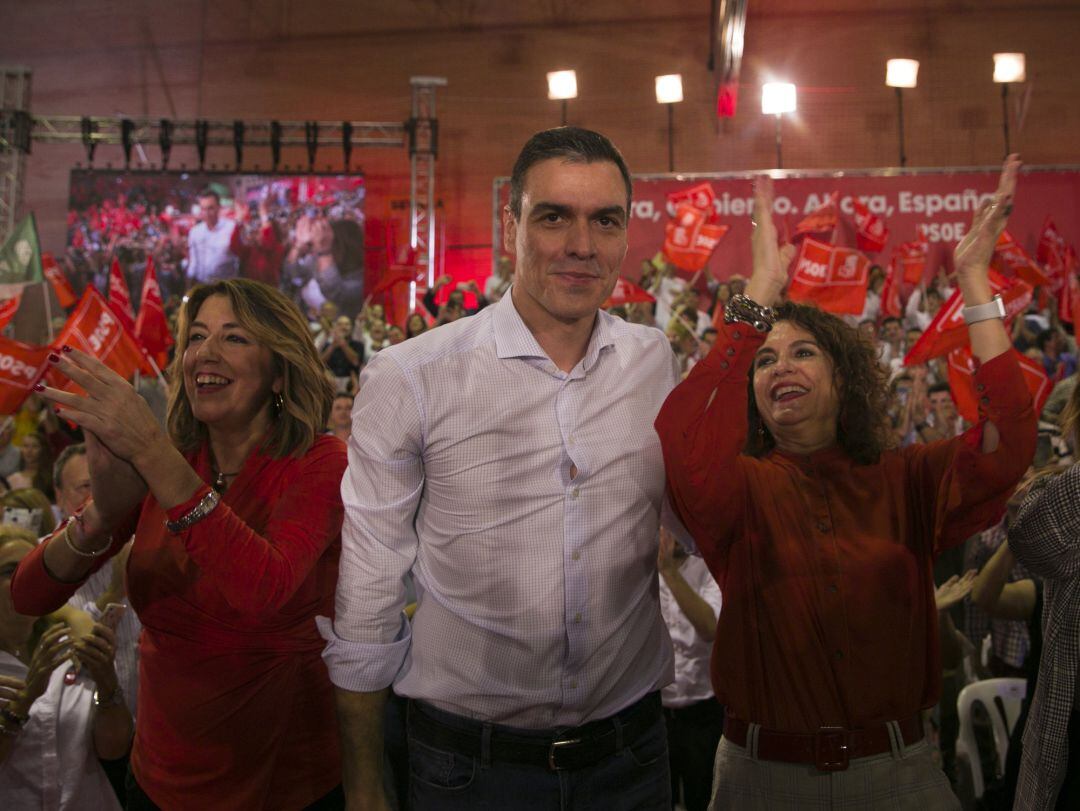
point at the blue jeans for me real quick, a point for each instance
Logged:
(636, 777)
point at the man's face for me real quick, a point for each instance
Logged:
(570, 240)
(209, 209)
(890, 332)
(941, 402)
(74, 485)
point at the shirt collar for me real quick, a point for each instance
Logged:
(513, 339)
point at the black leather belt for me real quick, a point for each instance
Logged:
(572, 748)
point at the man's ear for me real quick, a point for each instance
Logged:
(510, 226)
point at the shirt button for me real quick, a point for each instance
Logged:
(570, 439)
(730, 350)
(723, 364)
(822, 526)
(577, 617)
(980, 387)
(736, 334)
(573, 683)
(984, 400)
(575, 556)
(575, 492)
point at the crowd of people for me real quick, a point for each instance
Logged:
(719, 549)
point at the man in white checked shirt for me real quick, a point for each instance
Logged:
(509, 461)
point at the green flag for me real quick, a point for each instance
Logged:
(20, 255)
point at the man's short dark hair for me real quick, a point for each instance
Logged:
(209, 192)
(939, 387)
(891, 319)
(572, 144)
(63, 459)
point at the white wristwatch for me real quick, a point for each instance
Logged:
(995, 308)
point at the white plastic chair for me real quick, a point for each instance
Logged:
(1003, 717)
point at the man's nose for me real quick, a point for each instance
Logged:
(579, 240)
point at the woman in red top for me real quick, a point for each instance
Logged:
(237, 518)
(822, 539)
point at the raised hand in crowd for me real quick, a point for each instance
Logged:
(770, 274)
(953, 590)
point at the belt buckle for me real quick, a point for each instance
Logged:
(554, 750)
(831, 751)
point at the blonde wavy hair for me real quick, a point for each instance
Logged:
(274, 322)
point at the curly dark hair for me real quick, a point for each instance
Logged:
(862, 429)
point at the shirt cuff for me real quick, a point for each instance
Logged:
(182, 509)
(364, 667)
(734, 350)
(1000, 386)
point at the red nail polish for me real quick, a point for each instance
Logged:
(54, 358)
(65, 348)
(39, 387)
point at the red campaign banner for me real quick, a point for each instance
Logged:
(833, 278)
(65, 293)
(20, 367)
(961, 366)
(120, 297)
(912, 258)
(626, 292)
(821, 220)
(942, 201)
(94, 328)
(700, 196)
(890, 291)
(1051, 244)
(1012, 260)
(8, 308)
(871, 232)
(152, 327)
(689, 239)
(948, 331)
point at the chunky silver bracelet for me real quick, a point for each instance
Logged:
(197, 513)
(745, 309)
(994, 308)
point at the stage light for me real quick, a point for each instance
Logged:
(669, 89)
(562, 86)
(777, 98)
(1009, 68)
(902, 72)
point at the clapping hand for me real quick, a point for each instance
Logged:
(975, 250)
(770, 261)
(953, 590)
(97, 653)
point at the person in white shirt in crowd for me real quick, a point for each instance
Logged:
(508, 460)
(209, 257)
(891, 341)
(54, 728)
(690, 602)
(918, 315)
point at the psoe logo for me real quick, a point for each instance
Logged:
(13, 367)
(814, 270)
(101, 332)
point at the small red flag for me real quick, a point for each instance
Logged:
(1069, 299)
(890, 291)
(948, 331)
(727, 99)
(20, 367)
(871, 232)
(626, 292)
(834, 278)
(690, 240)
(94, 328)
(120, 297)
(962, 382)
(1011, 259)
(821, 220)
(1051, 242)
(912, 257)
(700, 196)
(152, 327)
(8, 308)
(65, 293)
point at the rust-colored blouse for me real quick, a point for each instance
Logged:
(825, 564)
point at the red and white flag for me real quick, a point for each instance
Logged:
(1051, 242)
(1068, 298)
(961, 366)
(701, 196)
(8, 308)
(690, 239)
(912, 258)
(120, 297)
(20, 367)
(834, 278)
(152, 327)
(626, 292)
(871, 232)
(890, 291)
(94, 328)
(65, 293)
(948, 331)
(822, 220)
(1011, 259)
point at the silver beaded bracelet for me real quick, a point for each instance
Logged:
(197, 513)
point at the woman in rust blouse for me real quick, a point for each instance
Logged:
(822, 538)
(237, 518)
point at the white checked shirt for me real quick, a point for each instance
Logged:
(209, 257)
(1045, 537)
(537, 593)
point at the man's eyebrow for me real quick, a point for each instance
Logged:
(544, 207)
